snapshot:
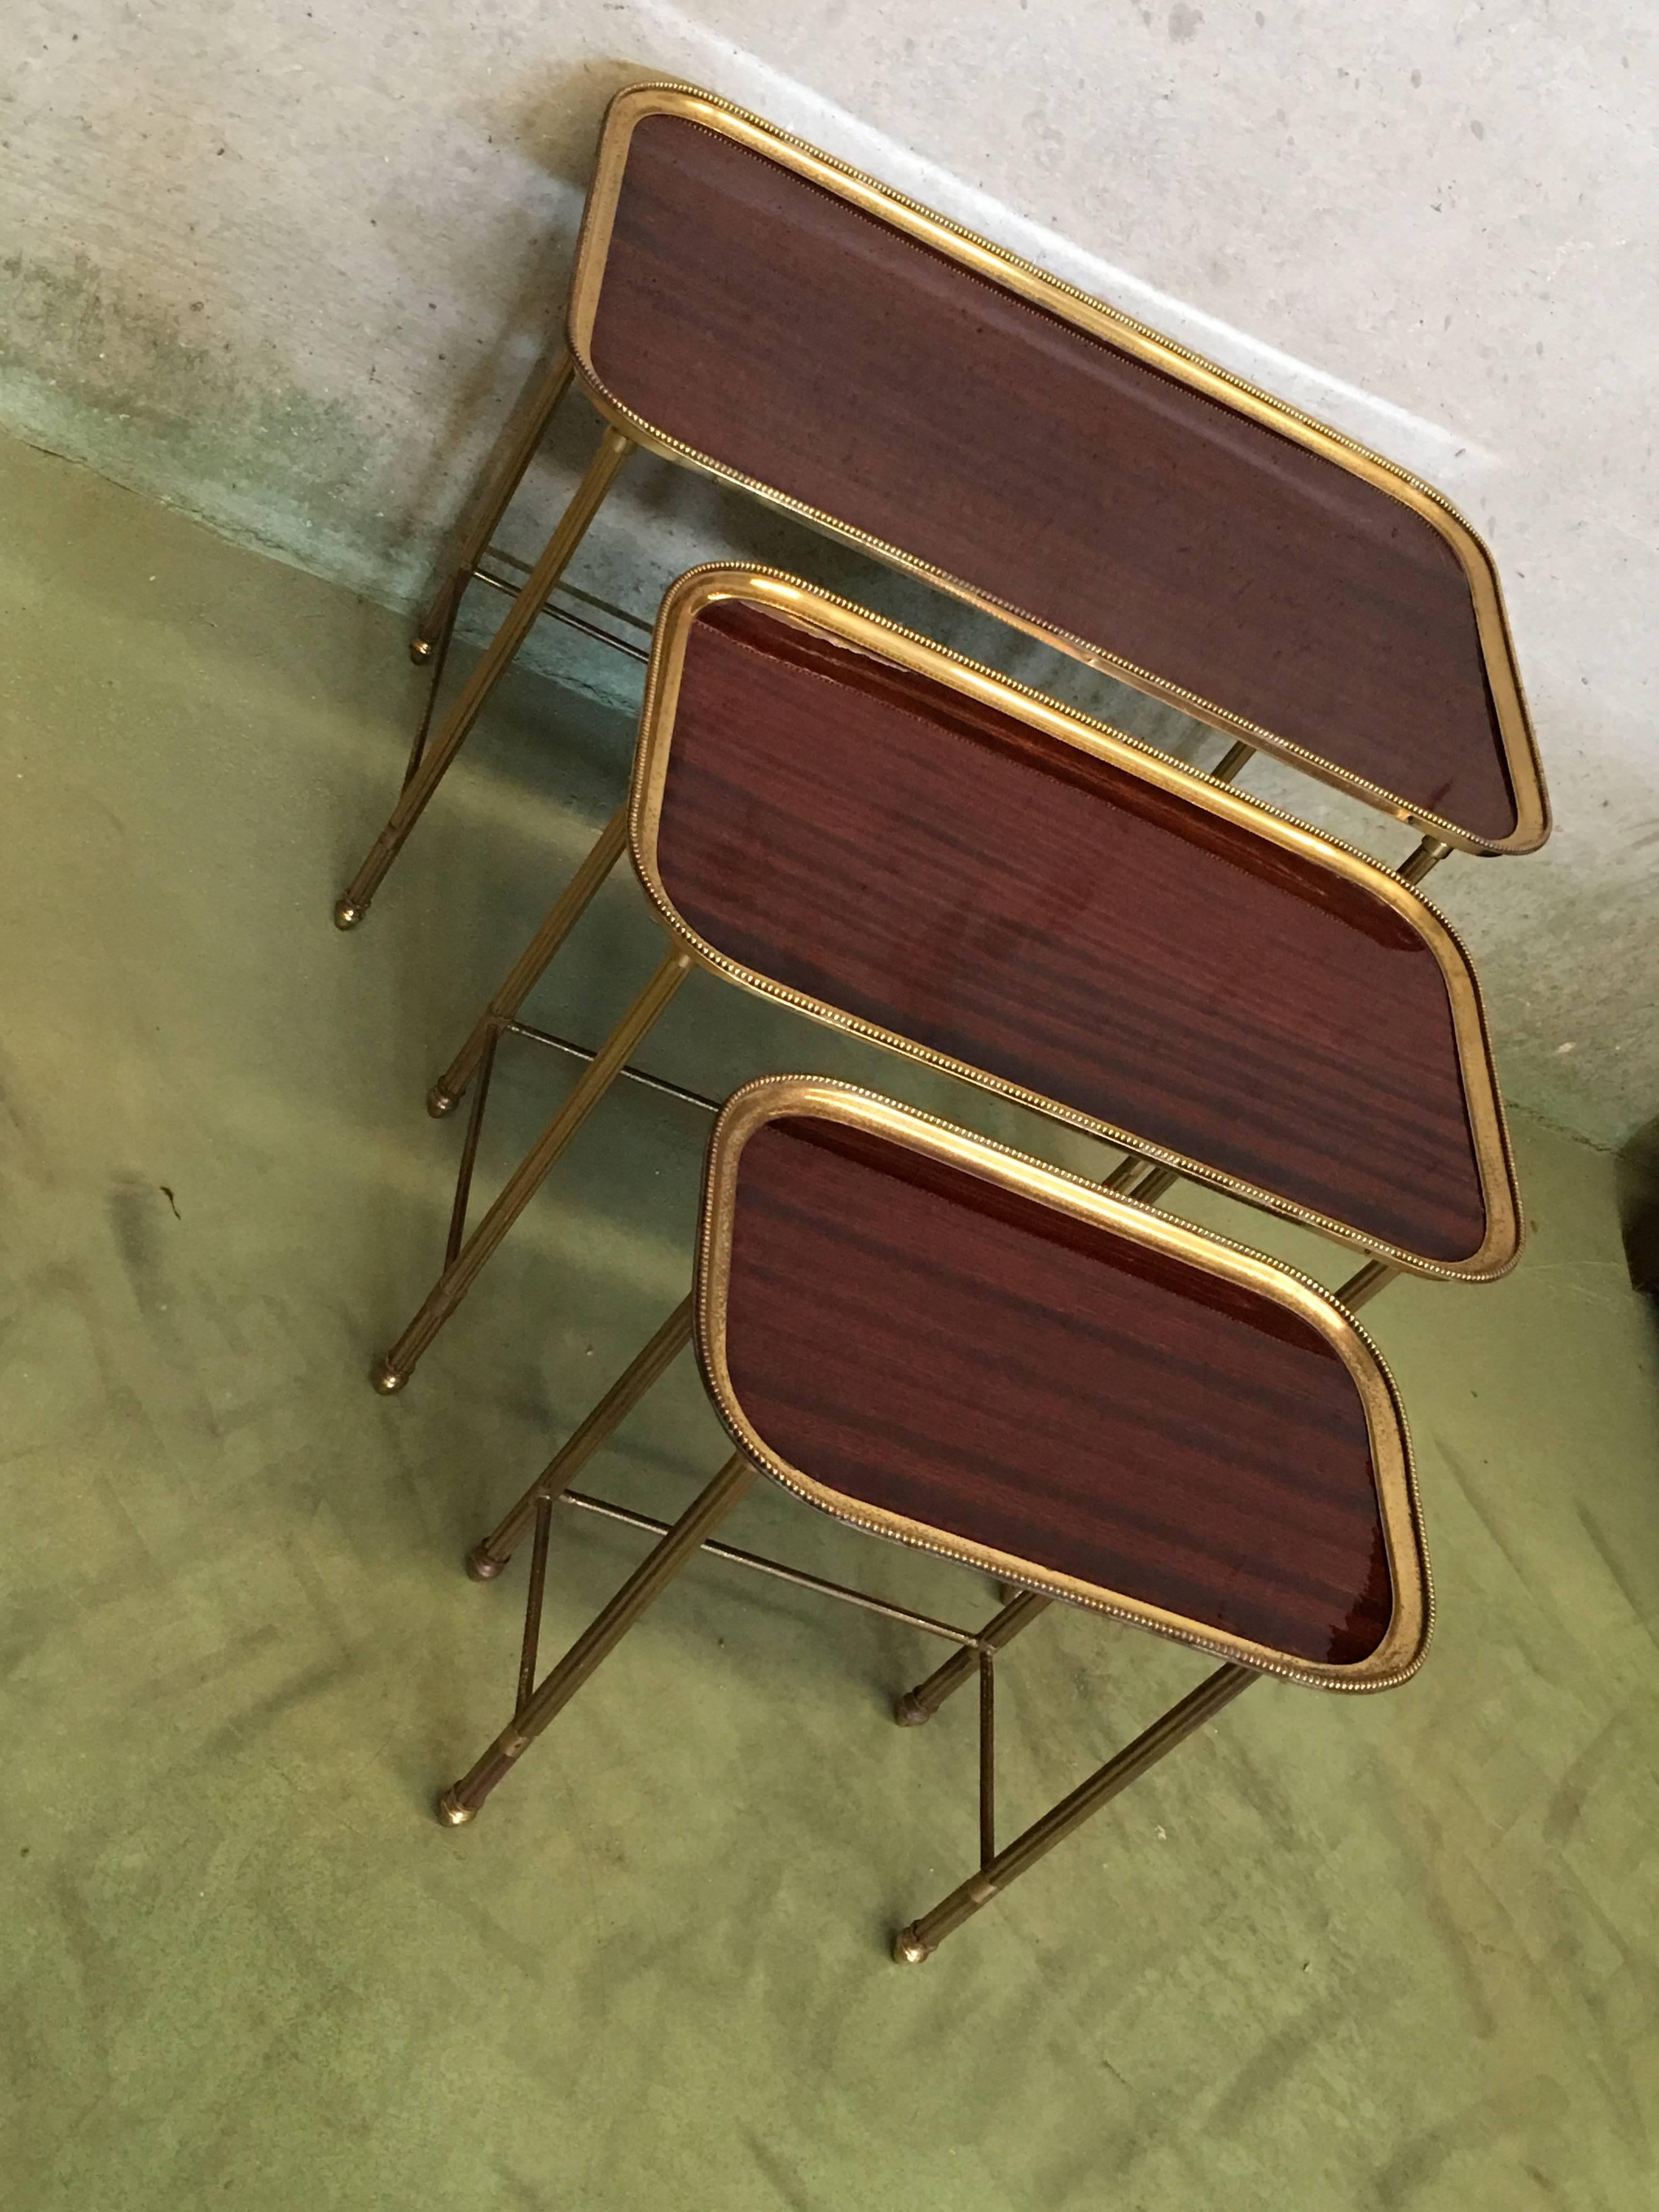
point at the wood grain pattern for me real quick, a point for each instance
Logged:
(856, 832)
(921, 1340)
(772, 328)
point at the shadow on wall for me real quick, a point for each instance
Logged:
(208, 403)
(554, 125)
(555, 121)
(1638, 1204)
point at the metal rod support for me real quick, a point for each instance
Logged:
(1418, 862)
(1376, 1275)
(494, 500)
(1136, 1177)
(434, 649)
(922, 1937)
(920, 1704)
(567, 591)
(491, 1553)
(468, 1159)
(629, 1074)
(533, 1609)
(432, 640)
(988, 1755)
(585, 501)
(648, 1580)
(558, 614)
(1227, 767)
(526, 971)
(509, 589)
(776, 1568)
(526, 1179)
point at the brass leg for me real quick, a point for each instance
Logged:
(436, 646)
(1374, 1276)
(431, 641)
(1418, 862)
(922, 1937)
(1136, 1177)
(494, 500)
(920, 1704)
(459, 1803)
(491, 1553)
(468, 1159)
(987, 1757)
(1226, 769)
(567, 910)
(532, 1608)
(589, 496)
(457, 1277)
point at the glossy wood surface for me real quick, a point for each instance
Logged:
(960, 1355)
(865, 836)
(788, 337)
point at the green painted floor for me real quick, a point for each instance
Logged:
(1386, 1952)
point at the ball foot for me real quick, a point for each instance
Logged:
(346, 915)
(420, 649)
(481, 1567)
(910, 1713)
(386, 1378)
(440, 1102)
(908, 1947)
(451, 1812)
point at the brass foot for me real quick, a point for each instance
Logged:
(347, 917)
(481, 1567)
(451, 1812)
(386, 1378)
(440, 1102)
(909, 1948)
(420, 649)
(910, 1713)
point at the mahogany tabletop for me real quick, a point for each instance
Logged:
(946, 1344)
(832, 811)
(751, 307)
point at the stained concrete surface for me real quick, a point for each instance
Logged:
(1387, 1953)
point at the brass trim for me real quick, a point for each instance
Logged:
(1402, 1651)
(848, 625)
(670, 97)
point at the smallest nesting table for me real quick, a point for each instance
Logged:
(943, 1342)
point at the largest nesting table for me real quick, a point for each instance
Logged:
(746, 306)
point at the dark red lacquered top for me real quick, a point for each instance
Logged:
(789, 337)
(866, 836)
(918, 1339)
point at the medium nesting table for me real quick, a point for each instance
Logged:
(845, 819)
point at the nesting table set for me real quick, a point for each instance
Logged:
(927, 1335)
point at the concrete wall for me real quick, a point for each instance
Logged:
(287, 266)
